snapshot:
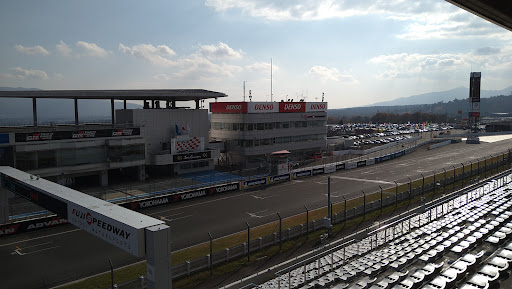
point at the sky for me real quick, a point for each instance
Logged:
(355, 52)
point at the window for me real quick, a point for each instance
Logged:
(261, 126)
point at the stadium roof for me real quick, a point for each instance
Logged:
(135, 94)
(498, 12)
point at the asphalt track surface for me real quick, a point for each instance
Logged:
(63, 254)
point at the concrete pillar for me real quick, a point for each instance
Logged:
(34, 110)
(103, 178)
(76, 111)
(197, 104)
(141, 173)
(5, 211)
(158, 257)
(112, 111)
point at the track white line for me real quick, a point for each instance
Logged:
(37, 238)
(363, 180)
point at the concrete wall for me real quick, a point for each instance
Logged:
(159, 124)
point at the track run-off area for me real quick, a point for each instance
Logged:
(65, 253)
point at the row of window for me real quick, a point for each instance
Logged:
(274, 140)
(194, 165)
(267, 125)
(72, 157)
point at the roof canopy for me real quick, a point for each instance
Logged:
(135, 94)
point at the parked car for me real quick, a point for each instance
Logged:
(315, 156)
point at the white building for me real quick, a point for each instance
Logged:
(253, 130)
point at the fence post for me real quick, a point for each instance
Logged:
(280, 232)
(211, 253)
(248, 242)
(307, 222)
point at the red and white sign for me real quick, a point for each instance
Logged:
(186, 143)
(292, 107)
(228, 107)
(475, 114)
(262, 107)
(316, 106)
(265, 107)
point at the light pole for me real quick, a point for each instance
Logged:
(462, 185)
(396, 193)
(328, 196)
(280, 232)
(307, 222)
(211, 253)
(453, 188)
(435, 185)
(248, 242)
(380, 198)
(364, 204)
(444, 181)
(345, 214)
(410, 188)
(422, 185)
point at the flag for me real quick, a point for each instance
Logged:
(177, 130)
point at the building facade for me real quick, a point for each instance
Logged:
(253, 130)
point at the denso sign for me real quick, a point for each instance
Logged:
(228, 107)
(292, 107)
(262, 107)
(316, 106)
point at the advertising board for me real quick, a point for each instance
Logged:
(158, 201)
(318, 171)
(31, 225)
(75, 134)
(256, 182)
(191, 156)
(361, 164)
(292, 107)
(329, 169)
(280, 178)
(349, 166)
(316, 106)
(262, 107)
(228, 107)
(128, 238)
(301, 174)
(370, 162)
(340, 166)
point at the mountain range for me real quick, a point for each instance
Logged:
(18, 111)
(442, 96)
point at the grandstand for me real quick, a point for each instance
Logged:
(462, 240)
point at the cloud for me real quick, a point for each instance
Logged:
(21, 73)
(435, 66)
(162, 76)
(38, 49)
(330, 74)
(487, 51)
(63, 49)
(92, 49)
(155, 55)
(262, 67)
(222, 51)
(425, 19)
(196, 68)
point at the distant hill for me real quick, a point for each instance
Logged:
(17, 111)
(489, 106)
(442, 96)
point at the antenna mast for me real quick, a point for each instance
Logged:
(244, 90)
(270, 79)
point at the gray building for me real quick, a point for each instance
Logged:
(253, 130)
(165, 138)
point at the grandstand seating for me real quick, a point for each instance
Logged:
(463, 243)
